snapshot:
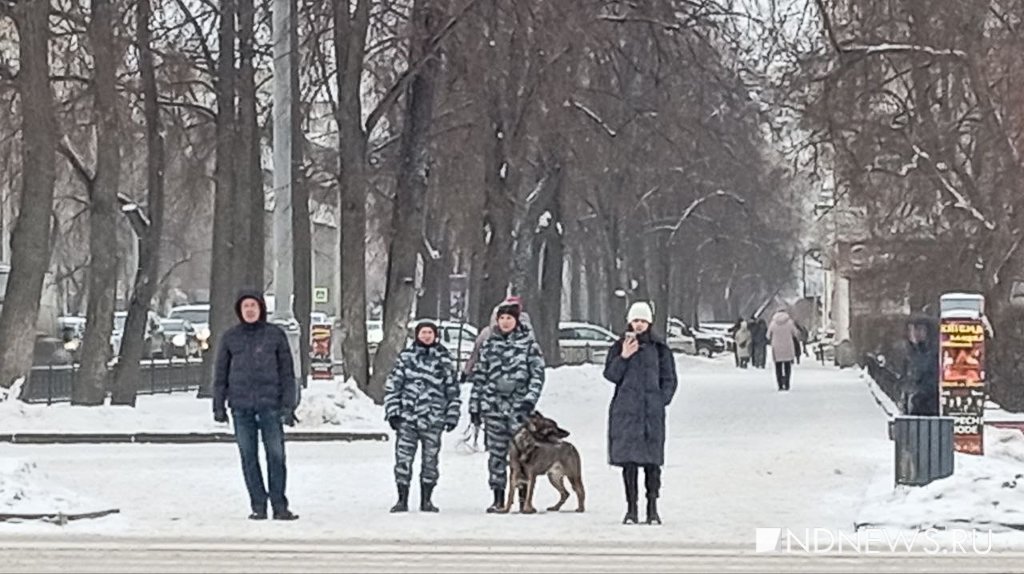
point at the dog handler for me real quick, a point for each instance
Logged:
(507, 381)
(421, 399)
(644, 373)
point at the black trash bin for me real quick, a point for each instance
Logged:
(924, 449)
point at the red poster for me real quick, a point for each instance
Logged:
(962, 380)
(321, 362)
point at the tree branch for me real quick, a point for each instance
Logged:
(203, 110)
(826, 20)
(395, 91)
(77, 165)
(593, 116)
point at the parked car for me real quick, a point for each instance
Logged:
(680, 340)
(584, 342)
(72, 333)
(720, 329)
(154, 346)
(199, 317)
(181, 341)
(705, 344)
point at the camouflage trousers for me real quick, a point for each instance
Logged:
(407, 441)
(498, 431)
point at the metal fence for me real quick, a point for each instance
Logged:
(54, 383)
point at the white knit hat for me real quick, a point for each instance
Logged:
(640, 311)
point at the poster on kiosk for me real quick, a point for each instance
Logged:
(962, 332)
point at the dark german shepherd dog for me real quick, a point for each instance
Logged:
(537, 448)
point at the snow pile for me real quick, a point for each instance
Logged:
(985, 492)
(346, 406)
(26, 490)
(325, 406)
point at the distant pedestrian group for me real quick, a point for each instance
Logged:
(786, 338)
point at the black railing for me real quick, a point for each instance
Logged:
(887, 378)
(54, 383)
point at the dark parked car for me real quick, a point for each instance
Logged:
(181, 339)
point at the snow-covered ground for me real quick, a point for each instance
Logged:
(741, 455)
(25, 490)
(326, 406)
(985, 493)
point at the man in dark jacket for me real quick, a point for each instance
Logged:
(255, 378)
(644, 373)
(921, 378)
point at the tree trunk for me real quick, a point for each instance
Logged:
(431, 302)
(576, 276)
(30, 239)
(350, 45)
(444, 284)
(146, 279)
(595, 285)
(90, 385)
(250, 217)
(499, 206)
(549, 299)
(302, 233)
(657, 279)
(223, 284)
(411, 188)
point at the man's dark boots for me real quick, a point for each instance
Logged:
(403, 499)
(426, 490)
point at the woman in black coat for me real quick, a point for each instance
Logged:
(643, 370)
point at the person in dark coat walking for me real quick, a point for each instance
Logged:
(254, 376)
(644, 373)
(920, 382)
(758, 342)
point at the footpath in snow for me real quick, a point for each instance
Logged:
(740, 455)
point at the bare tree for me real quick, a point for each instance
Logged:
(248, 208)
(413, 174)
(30, 240)
(223, 283)
(149, 225)
(90, 387)
(350, 32)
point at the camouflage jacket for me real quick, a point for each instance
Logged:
(509, 372)
(422, 388)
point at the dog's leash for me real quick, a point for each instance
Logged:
(470, 441)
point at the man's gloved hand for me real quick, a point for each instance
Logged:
(525, 409)
(395, 422)
(288, 418)
(476, 419)
(220, 416)
(449, 427)
(463, 377)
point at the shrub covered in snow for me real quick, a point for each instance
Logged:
(345, 406)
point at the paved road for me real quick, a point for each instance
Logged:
(135, 555)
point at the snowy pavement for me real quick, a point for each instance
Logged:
(169, 555)
(740, 455)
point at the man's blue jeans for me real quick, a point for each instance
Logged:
(249, 424)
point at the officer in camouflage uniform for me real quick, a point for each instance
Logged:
(421, 400)
(507, 381)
